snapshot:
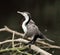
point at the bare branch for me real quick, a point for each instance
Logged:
(20, 34)
(35, 48)
(11, 31)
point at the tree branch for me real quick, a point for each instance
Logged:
(11, 31)
(35, 48)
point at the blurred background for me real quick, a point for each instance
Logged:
(46, 14)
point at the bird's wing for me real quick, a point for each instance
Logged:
(32, 29)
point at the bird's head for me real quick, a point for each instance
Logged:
(25, 14)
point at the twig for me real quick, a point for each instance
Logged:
(13, 39)
(11, 31)
(35, 48)
(20, 34)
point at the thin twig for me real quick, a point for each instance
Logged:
(13, 39)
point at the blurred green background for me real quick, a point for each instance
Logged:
(46, 14)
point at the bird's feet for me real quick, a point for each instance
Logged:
(30, 43)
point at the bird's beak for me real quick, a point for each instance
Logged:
(19, 12)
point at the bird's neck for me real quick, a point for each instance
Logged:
(25, 23)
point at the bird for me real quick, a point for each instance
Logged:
(31, 29)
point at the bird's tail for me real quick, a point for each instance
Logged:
(48, 39)
(42, 36)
